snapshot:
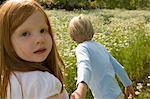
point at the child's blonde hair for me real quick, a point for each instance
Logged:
(81, 25)
(14, 13)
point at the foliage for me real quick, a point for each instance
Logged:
(127, 4)
(66, 4)
(105, 4)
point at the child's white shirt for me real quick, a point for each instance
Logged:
(33, 85)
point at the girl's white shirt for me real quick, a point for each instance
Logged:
(33, 85)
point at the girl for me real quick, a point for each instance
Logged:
(29, 60)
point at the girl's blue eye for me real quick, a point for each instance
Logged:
(25, 34)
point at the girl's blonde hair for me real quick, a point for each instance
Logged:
(80, 25)
(14, 13)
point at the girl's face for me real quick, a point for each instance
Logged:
(31, 40)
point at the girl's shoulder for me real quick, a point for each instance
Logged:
(33, 75)
(35, 84)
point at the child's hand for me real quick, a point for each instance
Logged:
(80, 92)
(129, 91)
(76, 95)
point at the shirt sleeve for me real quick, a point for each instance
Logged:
(119, 70)
(83, 65)
(36, 85)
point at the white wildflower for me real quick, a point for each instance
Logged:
(148, 84)
(137, 92)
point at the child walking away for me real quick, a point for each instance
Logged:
(96, 67)
(29, 60)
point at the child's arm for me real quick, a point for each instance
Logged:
(119, 70)
(84, 73)
(80, 92)
(121, 73)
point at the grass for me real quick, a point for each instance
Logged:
(124, 33)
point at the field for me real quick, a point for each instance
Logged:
(124, 33)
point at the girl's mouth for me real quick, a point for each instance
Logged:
(40, 51)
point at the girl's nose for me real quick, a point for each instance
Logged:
(39, 39)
